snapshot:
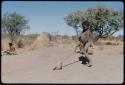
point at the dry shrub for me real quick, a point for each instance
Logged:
(20, 44)
(98, 43)
(108, 43)
(4, 44)
(26, 40)
(66, 42)
(63, 41)
(111, 43)
(42, 40)
(101, 48)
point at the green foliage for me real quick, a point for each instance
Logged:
(74, 20)
(103, 21)
(14, 24)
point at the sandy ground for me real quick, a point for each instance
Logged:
(36, 67)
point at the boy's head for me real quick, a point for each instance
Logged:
(10, 44)
(85, 24)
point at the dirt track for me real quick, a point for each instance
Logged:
(36, 67)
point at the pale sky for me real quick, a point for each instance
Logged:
(48, 16)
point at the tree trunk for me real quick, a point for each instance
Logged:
(77, 34)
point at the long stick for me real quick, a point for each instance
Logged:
(59, 65)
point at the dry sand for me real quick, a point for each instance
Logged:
(36, 67)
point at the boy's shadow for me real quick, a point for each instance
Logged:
(83, 59)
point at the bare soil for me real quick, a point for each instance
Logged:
(37, 67)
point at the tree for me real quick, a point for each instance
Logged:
(74, 20)
(103, 21)
(14, 24)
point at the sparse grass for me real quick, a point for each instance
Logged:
(102, 46)
(29, 39)
(109, 49)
